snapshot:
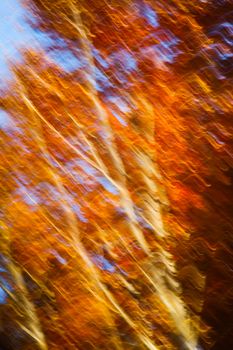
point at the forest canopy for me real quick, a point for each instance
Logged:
(116, 178)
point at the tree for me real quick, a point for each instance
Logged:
(97, 211)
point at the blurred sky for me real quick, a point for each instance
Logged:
(14, 32)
